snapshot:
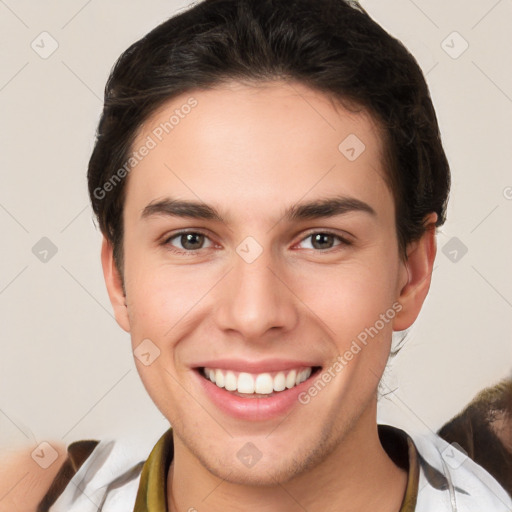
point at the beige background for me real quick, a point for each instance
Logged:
(66, 368)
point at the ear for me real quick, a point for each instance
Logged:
(114, 285)
(416, 274)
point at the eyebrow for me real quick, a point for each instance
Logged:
(317, 209)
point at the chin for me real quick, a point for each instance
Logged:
(248, 466)
(260, 475)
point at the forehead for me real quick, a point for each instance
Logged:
(246, 146)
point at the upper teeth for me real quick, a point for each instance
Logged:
(261, 383)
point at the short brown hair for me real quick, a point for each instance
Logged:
(332, 46)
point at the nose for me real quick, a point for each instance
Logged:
(256, 299)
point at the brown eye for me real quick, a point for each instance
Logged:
(186, 241)
(321, 240)
(192, 241)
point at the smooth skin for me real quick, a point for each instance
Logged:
(251, 151)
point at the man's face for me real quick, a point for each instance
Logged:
(259, 290)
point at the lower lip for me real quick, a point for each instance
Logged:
(254, 409)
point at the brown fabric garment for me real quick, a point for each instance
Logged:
(77, 454)
(484, 429)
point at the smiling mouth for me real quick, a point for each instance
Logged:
(260, 385)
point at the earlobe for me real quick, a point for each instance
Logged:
(114, 285)
(417, 274)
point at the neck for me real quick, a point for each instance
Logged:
(358, 475)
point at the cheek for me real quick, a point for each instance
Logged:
(350, 297)
(161, 309)
(168, 302)
(158, 300)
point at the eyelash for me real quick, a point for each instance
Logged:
(193, 252)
